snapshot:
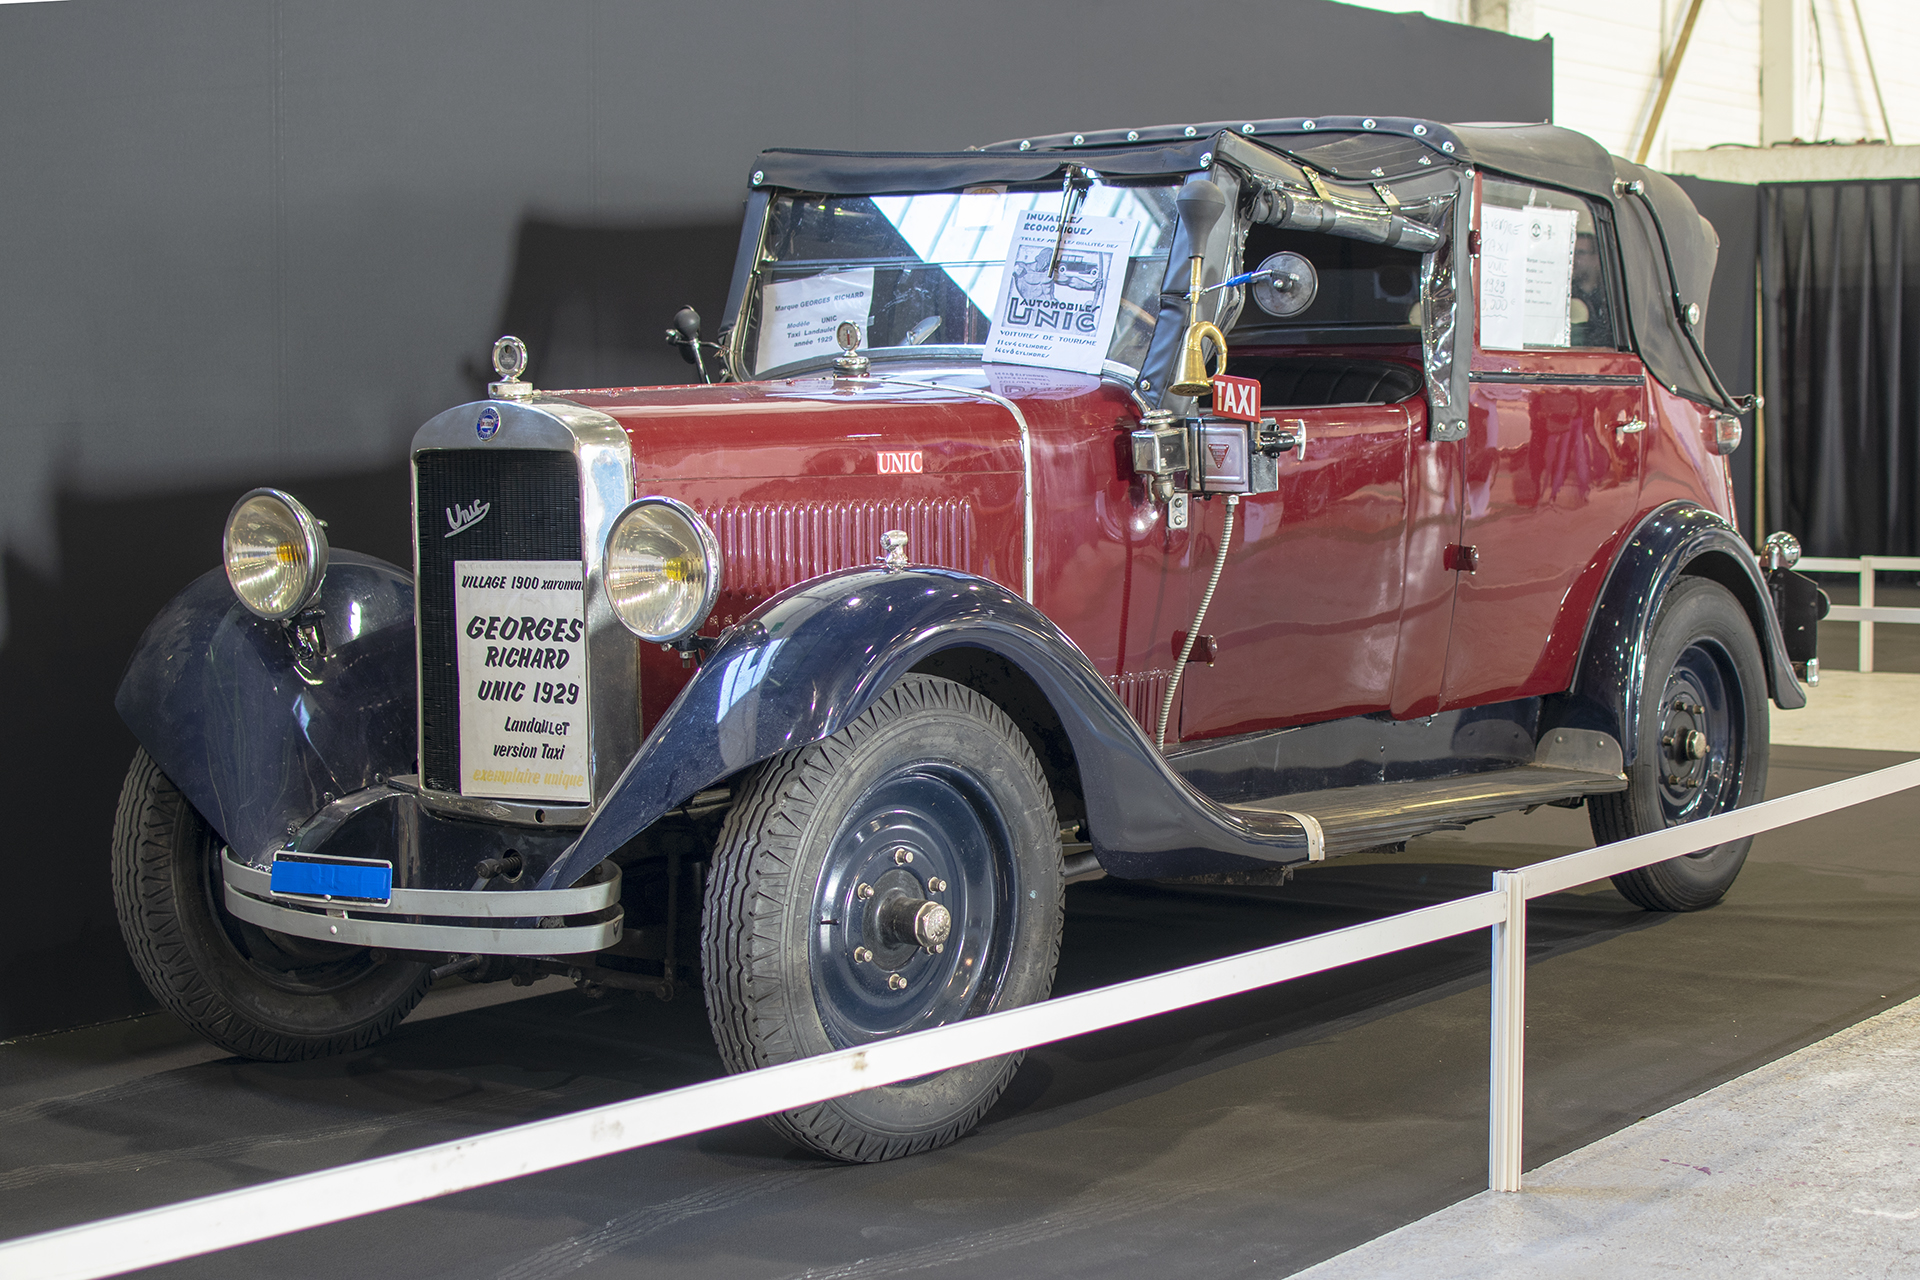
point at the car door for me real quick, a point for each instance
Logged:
(1552, 460)
(1306, 617)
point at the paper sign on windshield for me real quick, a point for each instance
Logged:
(520, 654)
(1060, 319)
(1526, 277)
(798, 317)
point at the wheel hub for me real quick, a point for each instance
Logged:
(912, 921)
(1697, 732)
(903, 919)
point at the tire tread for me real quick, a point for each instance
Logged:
(754, 860)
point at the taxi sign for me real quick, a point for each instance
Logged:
(1237, 398)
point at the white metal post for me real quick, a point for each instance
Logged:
(1866, 602)
(1507, 1067)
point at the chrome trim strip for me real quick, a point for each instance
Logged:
(605, 459)
(1026, 462)
(1558, 379)
(974, 353)
(521, 813)
(596, 891)
(1316, 834)
(462, 939)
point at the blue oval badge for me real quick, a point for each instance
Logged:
(488, 424)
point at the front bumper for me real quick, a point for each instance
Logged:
(527, 922)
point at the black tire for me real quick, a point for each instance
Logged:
(252, 991)
(1701, 747)
(933, 771)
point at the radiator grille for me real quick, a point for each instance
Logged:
(770, 546)
(533, 513)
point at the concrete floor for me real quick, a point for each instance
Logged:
(1809, 1166)
(1875, 711)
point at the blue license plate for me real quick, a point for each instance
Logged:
(332, 878)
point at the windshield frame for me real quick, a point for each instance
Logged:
(752, 265)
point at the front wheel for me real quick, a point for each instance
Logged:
(901, 874)
(252, 991)
(1700, 745)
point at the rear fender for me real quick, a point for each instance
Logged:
(255, 742)
(1676, 540)
(814, 658)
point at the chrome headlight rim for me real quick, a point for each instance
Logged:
(709, 546)
(314, 544)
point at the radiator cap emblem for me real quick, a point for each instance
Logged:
(509, 362)
(488, 424)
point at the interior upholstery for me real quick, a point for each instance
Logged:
(1321, 380)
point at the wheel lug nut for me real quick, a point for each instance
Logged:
(936, 884)
(896, 982)
(903, 856)
(863, 892)
(861, 955)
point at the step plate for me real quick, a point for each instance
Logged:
(1356, 818)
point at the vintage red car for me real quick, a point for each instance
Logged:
(1200, 501)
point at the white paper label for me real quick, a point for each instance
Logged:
(1060, 319)
(521, 655)
(1526, 277)
(798, 318)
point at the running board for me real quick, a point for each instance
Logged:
(1350, 819)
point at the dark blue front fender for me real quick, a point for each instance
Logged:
(215, 697)
(814, 658)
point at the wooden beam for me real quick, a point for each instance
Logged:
(1666, 83)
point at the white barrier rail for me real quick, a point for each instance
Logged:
(1864, 613)
(172, 1232)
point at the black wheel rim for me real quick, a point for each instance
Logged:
(924, 833)
(1702, 736)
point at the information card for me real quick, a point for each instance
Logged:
(521, 658)
(1526, 277)
(1060, 319)
(798, 318)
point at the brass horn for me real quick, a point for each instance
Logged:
(1192, 379)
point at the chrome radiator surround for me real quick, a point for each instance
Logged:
(604, 463)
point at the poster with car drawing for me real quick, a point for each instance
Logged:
(1060, 315)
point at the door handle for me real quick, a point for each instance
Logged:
(1631, 427)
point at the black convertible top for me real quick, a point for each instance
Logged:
(1360, 149)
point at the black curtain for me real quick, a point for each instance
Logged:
(1840, 284)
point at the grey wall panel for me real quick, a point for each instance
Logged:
(250, 242)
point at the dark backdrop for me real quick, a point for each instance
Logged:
(251, 242)
(1734, 210)
(1840, 277)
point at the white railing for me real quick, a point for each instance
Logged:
(1864, 613)
(167, 1234)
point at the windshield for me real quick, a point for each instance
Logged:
(928, 268)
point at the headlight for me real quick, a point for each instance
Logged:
(275, 554)
(663, 569)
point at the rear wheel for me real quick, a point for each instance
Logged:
(1701, 745)
(253, 991)
(901, 874)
